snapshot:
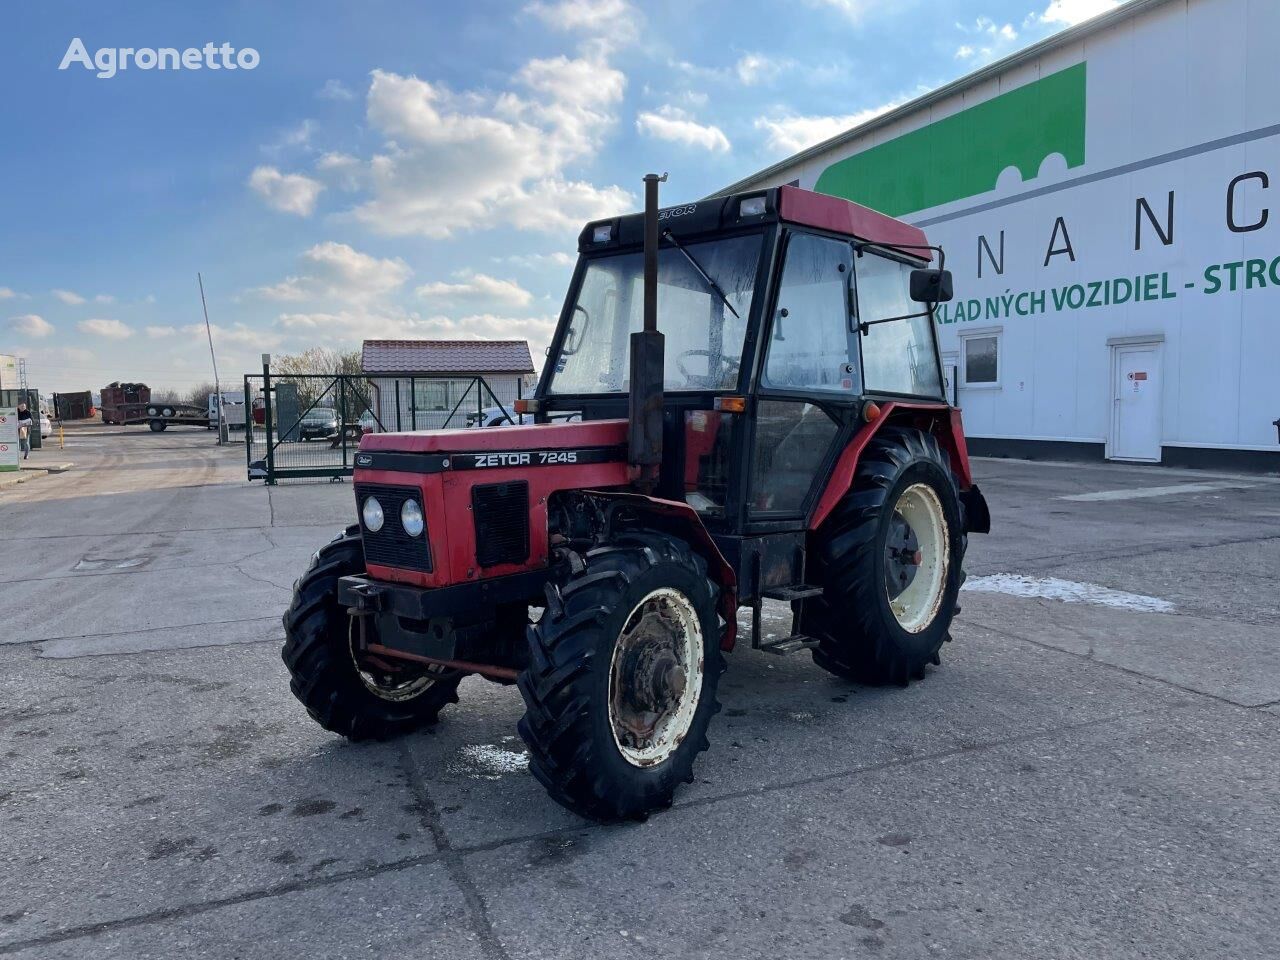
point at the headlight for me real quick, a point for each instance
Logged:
(411, 518)
(373, 516)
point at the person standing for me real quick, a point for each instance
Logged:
(25, 426)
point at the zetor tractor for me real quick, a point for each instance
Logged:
(785, 436)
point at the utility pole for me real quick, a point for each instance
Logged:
(217, 383)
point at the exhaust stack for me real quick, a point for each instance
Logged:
(644, 409)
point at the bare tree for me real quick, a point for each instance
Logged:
(199, 394)
(316, 371)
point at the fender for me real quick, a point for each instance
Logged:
(939, 419)
(683, 521)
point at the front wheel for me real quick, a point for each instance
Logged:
(889, 558)
(351, 694)
(621, 684)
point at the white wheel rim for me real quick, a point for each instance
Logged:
(394, 692)
(655, 677)
(916, 605)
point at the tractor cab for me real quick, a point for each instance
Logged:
(789, 320)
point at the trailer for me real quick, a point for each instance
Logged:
(73, 406)
(160, 416)
(119, 399)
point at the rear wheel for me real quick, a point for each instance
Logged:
(344, 691)
(157, 426)
(621, 684)
(889, 557)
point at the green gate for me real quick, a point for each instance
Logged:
(310, 425)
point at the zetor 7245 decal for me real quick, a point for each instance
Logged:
(786, 436)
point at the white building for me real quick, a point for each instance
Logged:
(1109, 203)
(433, 384)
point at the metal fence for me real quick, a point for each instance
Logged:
(305, 425)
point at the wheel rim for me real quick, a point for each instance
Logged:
(655, 677)
(917, 555)
(385, 685)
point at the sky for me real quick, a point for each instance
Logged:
(398, 168)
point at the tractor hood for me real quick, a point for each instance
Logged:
(595, 441)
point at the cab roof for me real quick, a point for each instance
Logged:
(781, 204)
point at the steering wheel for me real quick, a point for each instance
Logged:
(731, 365)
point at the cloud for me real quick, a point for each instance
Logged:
(477, 286)
(104, 298)
(986, 40)
(69, 297)
(347, 172)
(112, 329)
(6, 293)
(793, 134)
(534, 261)
(756, 68)
(335, 90)
(339, 272)
(675, 125)
(287, 192)
(352, 326)
(462, 161)
(31, 325)
(294, 138)
(851, 10)
(611, 17)
(1070, 12)
(161, 331)
(238, 334)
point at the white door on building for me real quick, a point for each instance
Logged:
(1135, 402)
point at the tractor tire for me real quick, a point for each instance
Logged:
(867, 632)
(323, 672)
(157, 426)
(639, 617)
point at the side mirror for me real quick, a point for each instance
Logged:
(931, 286)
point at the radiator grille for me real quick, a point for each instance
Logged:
(502, 522)
(391, 546)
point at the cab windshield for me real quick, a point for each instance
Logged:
(703, 335)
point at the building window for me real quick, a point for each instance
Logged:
(981, 361)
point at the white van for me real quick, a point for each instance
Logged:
(233, 409)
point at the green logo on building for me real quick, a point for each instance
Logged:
(962, 155)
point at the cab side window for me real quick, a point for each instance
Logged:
(898, 356)
(811, 346)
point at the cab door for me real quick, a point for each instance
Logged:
(809, 377)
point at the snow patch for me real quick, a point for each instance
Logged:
(1068, 591)
(490, 762)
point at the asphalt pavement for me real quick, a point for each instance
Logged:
(1093, 772)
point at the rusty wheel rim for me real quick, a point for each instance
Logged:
(385, 685)
(655, 677)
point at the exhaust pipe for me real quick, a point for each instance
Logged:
(644, 411)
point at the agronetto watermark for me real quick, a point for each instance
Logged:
(106, 62)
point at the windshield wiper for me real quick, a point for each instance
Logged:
(702, 273)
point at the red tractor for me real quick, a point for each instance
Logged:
(785, 436)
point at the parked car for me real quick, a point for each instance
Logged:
(318, 423)
(46, 426)
(491, 417)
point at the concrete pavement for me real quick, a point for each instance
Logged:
(1076, 780)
